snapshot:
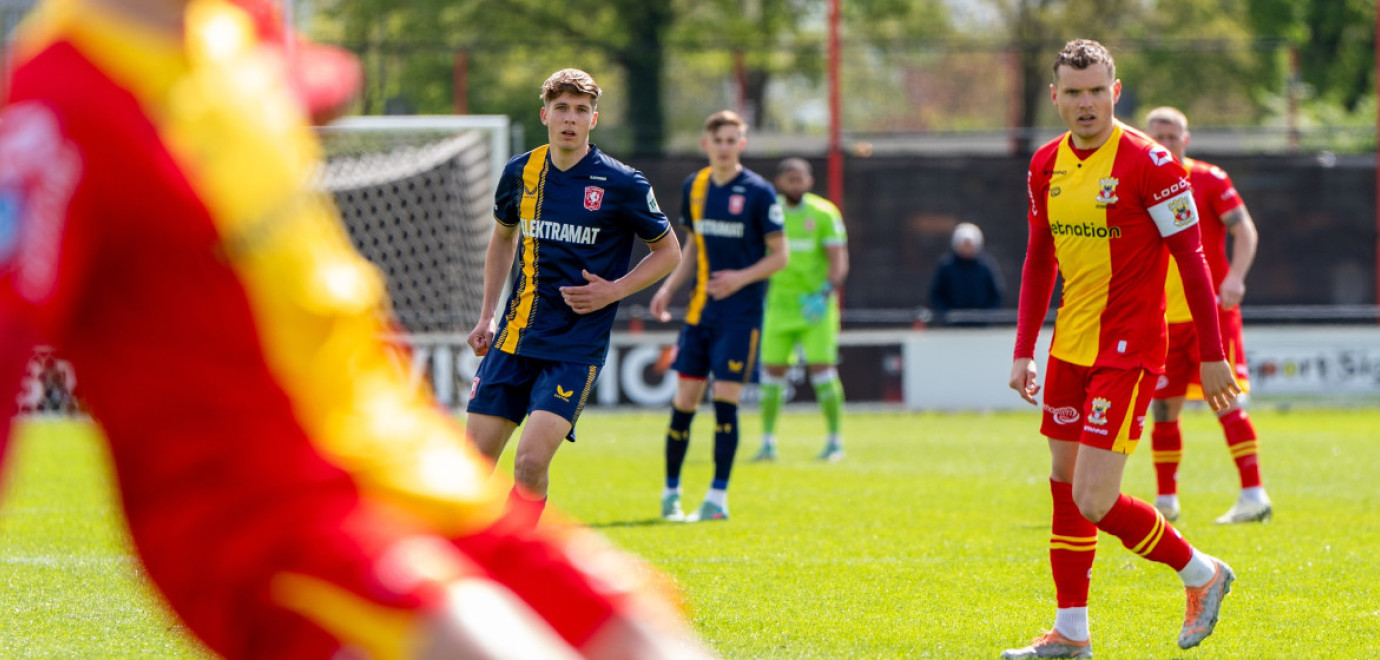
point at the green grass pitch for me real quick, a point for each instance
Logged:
(930, 540)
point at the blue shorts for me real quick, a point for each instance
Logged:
(730, 352)
(511, 386)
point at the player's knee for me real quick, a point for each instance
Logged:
(530, 468)
(1092, 503)
(1159, 411)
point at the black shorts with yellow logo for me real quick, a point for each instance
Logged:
(512, 386)
(728, 351)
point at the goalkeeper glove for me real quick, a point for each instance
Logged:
(814, 305)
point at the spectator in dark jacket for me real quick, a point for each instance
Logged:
(967, 277)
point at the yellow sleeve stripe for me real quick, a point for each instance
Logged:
(658, 237)
(699, 191)
(525, 296)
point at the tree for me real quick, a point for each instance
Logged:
(628, 33)
(1038, 28)
(1335, 42)
(408, 47)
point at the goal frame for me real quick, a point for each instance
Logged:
(499, 128)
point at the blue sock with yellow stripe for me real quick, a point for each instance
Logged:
(677, 443)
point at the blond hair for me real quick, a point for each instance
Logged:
(1081, 54)
(573, 81)
(724, 118)
(1167, 115)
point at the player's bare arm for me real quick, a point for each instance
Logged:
(498, 260)
(600, 293)
(662, 299)
(838, 264)
(1244, 242)
(724, 283)
(1025, 379)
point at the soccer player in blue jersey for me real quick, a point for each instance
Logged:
(736, 243)
(570, 213)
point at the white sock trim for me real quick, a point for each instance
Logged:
(1199, 570)
(1072, 623)
(717, 497)
(824, 377)
(1255, 494)
(767, 379)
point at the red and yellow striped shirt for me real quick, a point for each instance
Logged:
(1104, 218)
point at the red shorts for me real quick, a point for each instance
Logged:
(1097, 406)
(1181, 364)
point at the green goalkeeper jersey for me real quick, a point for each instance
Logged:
(811, 226)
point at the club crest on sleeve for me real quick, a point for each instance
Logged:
(594, 198)
(1183, 211)
(651, 202)
(736, 203)
(1106, 191)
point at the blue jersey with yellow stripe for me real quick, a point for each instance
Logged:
(729, 225)
(584, 218)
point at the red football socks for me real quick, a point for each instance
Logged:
(1072, 546)
(1145, 532)
(1168, 445)
(1242, 443)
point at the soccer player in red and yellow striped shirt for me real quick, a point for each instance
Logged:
(1105, 203)
(289, 492)
(1222, 211)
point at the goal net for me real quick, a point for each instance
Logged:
(415, 194)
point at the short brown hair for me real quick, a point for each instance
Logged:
(724, 118)
(1167, 115)
(573, 81)
(1083, 53)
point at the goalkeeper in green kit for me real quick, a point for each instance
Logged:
(802, 308)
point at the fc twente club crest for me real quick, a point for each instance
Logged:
(594, 198)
